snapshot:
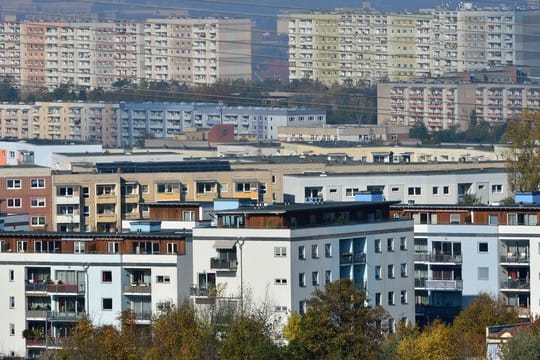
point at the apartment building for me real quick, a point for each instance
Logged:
(463, 250)
(278, 255)
(422, 187)
(99, 198)
(333, 133)
(51, 280)
(27, 190)
(45, 54)
(441, 105)
(399, 46)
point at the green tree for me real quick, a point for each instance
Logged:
(523, 158)
(419, 131)
(339, 325)
(469, 327)
(524, 346)
(82, 344)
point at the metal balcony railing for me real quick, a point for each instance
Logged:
(223, 264)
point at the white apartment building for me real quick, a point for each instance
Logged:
(51, 279)
(422, 187)
(278, 255)
(374, 46)
(441, 105)
(44, 55)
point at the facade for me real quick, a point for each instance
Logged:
(441, 105)
(27, 190)
(375, 46)
(361, 134)
(489, 186)
(51, 280)
(463, 250)
(278, 255)
(46, 54)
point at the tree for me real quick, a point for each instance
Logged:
(469, 327)
(524, 346)
(434, 342)
(339, 325)
(81, 344)
(249, 338)
(523, 158)
(419, 131)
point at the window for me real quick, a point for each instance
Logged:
(37, 183)
(493, 219)
(106, 304)
(302, 307)
(165, 188)
(262, 188)
(446, 190)
(483, 247)
(37, 220)
(11, 329)
(279, 308)
(328, 250)
(404, 270)
(496, 188)
(37, 202)
(403, 297)
(274, 179)
(435, 190)
(78, 247)
(315, 251)
(104, 190)
(224, 188)
(144, 189)
(328, 276)
(207, 187)
(483, 273)
(378, 299)
(391, 274)
(315, 278)
(14, 203)
(378, 274)
(12, 302)
(12, 184)
(280, 251)
(403, 243)
(11, 275)
(163, 279)
(22, 246)
(415, 191)
(65, 191)
(106, 276)
(243, 187)
(172, 248)
(378, 246)
(112, 247)
(390, 244)
(280, 281)
(349, 192)
(188, 215)
(86, 192)
(391, 325)
(302, 279)
(455, 219)
(391, 300)
(301, 252)
(395, 189)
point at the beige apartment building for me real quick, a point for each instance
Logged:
(100, 201)
(44, 55)
(442, 105)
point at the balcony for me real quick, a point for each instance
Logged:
(68, 219)
(143, 317)
(138, 289)
(36, 287)
(515, 259)
(348, 258)
(515, 284)
(223, 264)
(202, 291)
(36, 342)
(65, 316)
(444, 285)
(106, 217)
(68, 200)
(438, 258)
(36, 314)
(66, 288)
(106, 199)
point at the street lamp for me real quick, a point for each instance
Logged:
(240, 242)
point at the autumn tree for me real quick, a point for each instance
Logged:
(469, 327)
(433, 343)
(523, 158)
(524, 345)
(339, 325)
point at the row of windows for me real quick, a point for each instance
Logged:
(314, 251)
(113, 247)
(391, 271)
(315, 278)
(390, 246)
(417, 191)
(13, 184)
(34, 202)
(391, 298)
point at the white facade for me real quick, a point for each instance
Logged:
(419, 188)
(281, 268)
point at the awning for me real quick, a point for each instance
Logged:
(224, 244)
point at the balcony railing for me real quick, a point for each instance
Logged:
(66, 288)
(196, 290)
(143, 316)
(448, 285)
(36, 314)
(36, 287)
(138, 288)
(65, 316)
(518, 284)
(223, 264)
(420, 283)
(347, 258)
(515, 259)
(441, 258)
(36, 342)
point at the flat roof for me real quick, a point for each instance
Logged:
(512, 207)
(296, 207)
